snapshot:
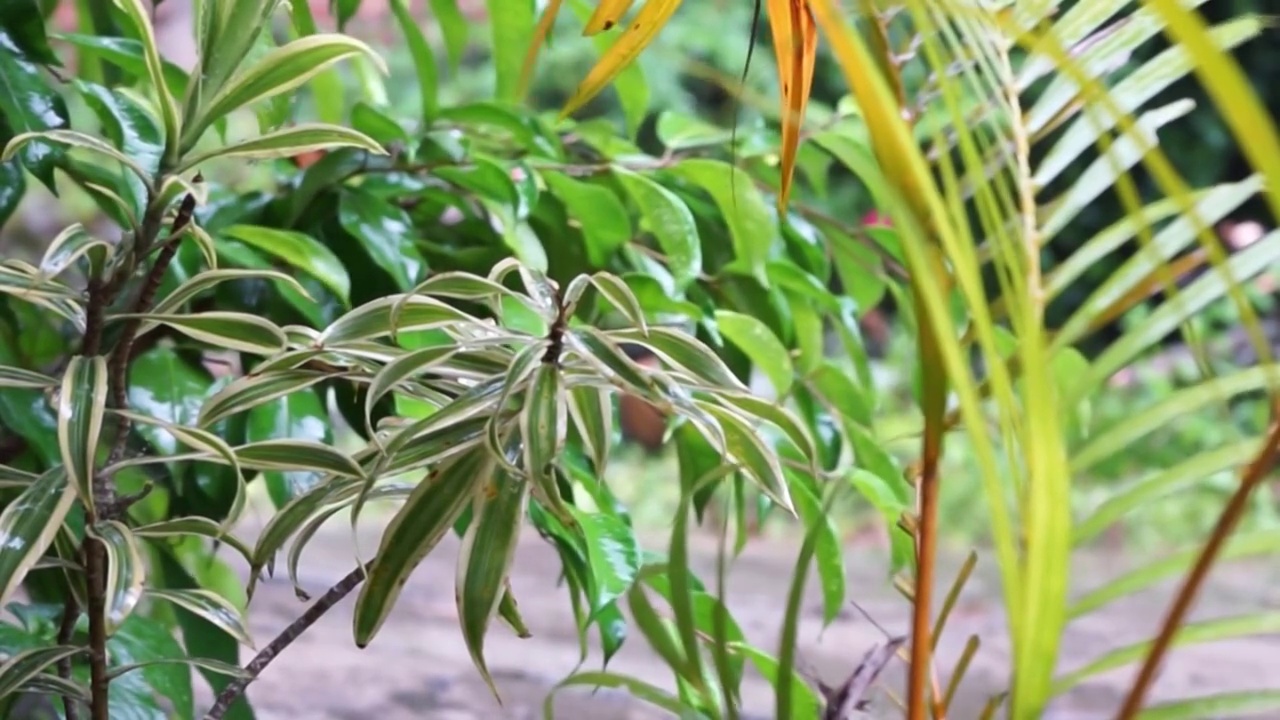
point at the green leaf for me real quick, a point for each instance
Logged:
(164, 386)
(13, 186)
(389, 315)
(283, 69)
(592, 413)
(297, 455)
(253, 390)
(484, 561)
(804, 702)
(760, 345)
(454, 26)
(29, 105)
(74, 139)
(24, 22)
(596, 211)
(1244, 703)
(29, 524)
(744, 445)
(378, 125)
(424, 59)
(671, 223)
(683, 352)
(194, 526)
(828, 554)
(127, 55)
(427, 514)
(650, 694)
(141, 641)
(13, 377)
(288, 142)
(296, 416)
(126, 572)
(126, 124)
(140, 16)
(387, 234)
(210, 606)
(613, 555)
(27, 664)
(73, 243)
(299, 250)
(224, 330)
(512, 23)
(753, 227)
(82, 402)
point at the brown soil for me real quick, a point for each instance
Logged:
(417, 667)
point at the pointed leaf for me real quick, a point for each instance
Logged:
(210, 606)
(288, 142)
(82, 403)
(28, 526)
(126, 572)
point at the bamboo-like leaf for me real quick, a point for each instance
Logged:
(755, 407)
(82, 402)
(28, 526)
(424, 59)
(25, 665)
(1265, 543)
(651, 694)
(309, 529)
(289, 142)
(72, 138)
(140, 16)
(592, 414)
(375, 319)
(601, 352)
(398, 370)
(484, 561)
(210, 606)
(427, 514)
(620, 296)
(745, 446)
(14, 377)
(291, 455)
(683, 351)
(1191, 633)
(47, 684)
(251, 391)
(197, 526)
(217, 666)
(224, 330)
(642, 30)
(517, 380)
(607, 15)
(543, 428)
(11, 477)
(70, 245)
(212, 278)
(1244, 703)
(283, 69)
(289, 518)
(126, 571)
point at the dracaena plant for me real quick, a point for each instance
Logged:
(971, 165)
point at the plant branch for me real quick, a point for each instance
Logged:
(70, 613)
(1252, 477)
(332, 596)
(118, 368)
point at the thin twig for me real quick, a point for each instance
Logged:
(70, 614)
(123, 354)
(1227, 521)
(333, 596)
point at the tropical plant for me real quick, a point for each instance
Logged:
(384, 276)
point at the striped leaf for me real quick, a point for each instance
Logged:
(82, 404)
(29, 524)
(126, 571)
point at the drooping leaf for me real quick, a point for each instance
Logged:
(28, 526)
(29, 105)
(82, 403)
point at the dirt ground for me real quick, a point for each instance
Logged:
(418, 668)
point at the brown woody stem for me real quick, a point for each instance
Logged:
(332, 596)
(1186, 597)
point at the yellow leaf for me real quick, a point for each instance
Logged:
(795, 43)
(607, 14)
(540, 34)
(622, 53)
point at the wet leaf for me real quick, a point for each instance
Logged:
(126, 572)
(288, 142)
(297, 455)
(282, 69)
(426, 516)
(210, 606)
(250, 391)
(164, 386)
(70, 138)
(511, 23)
(392, 314)
(596, 211)
(424, 59)
(484, 561)
(14, 377)
(613, 555)
(592, 414)
(82, 403)
(753, 228)
(386, 233)
(224, 330)
(25, 665)
(196, 526)
(671, 223)
(29, 104)
(758, 343)
(28, 526)
(296, 416)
